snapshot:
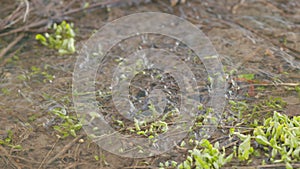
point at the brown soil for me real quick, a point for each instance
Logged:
(257, 37)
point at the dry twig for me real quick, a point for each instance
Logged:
(5, 153)
(42, 163)
(12, 44)
(67, 147)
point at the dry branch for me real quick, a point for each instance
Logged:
(13, 43)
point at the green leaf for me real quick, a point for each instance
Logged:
(96, 157)
(141, 133)
(262, 140)
(228, 159)
(182, 144)
(78, 126)
(173, 163)
(71, 46)
(57, 128)
(246, 76)
(259, 131)
(296, 153)
(16, 147)
(288, 166)
(2, 142)
(62, 51)
(42, 39)
(7, 140)
(241, 136)
(274, 153)
(245, 149)
(137, 125)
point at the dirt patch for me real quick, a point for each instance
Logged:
(252, 37)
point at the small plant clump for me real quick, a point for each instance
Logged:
(70, 124)
(36, 71)
(206, 157)
(280, 135)
(278, 138)
(8, 141)
(244, 150)
(62, 38)
(149, 130)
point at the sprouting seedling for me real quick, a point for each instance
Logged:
(8, 141)
(62, 39)
(70, 123)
